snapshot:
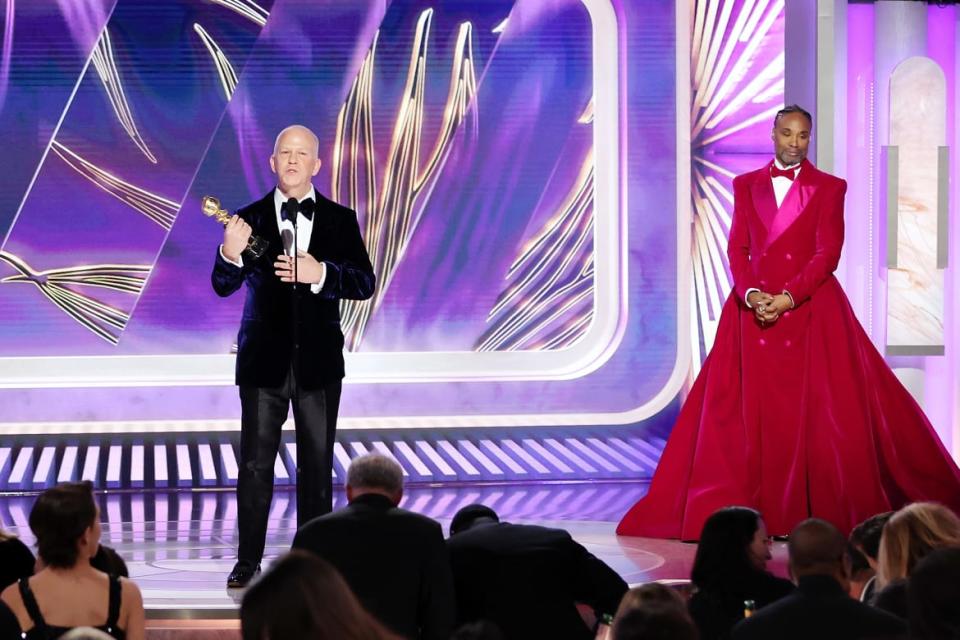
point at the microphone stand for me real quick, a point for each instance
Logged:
(293, 209)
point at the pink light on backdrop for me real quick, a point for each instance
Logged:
(737, 84)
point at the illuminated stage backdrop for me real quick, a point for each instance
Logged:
(525, 248)
(522, 178)
(736, 71)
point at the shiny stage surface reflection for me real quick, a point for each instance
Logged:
(180, 546)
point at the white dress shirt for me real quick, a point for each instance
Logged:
(781, 185)
(304, 231)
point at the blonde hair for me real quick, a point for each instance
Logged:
(912, 533)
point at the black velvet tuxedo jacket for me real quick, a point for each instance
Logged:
(266, 338)
(394, 560)
(528, 580)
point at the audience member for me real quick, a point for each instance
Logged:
(68, 592)
(821, 607)
(303, 596)
(527, 579)
(85, 633)
(109, 561)
(865, 539)
(9, 627)
(861, 575)
(479, 630)
(394, 560)
(652, 593)
(933, 596)
(729, 568)
(662, 614)
(909, 535)
(16, 559)
(655, 621)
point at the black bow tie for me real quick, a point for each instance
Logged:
(305, 207)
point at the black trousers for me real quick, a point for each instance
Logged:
(263, 412)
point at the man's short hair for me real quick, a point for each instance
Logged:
(859, 566)
(866, 535)
(792, 108)
(276, 141)
(814, 546)
(375, 471)
(466, 516)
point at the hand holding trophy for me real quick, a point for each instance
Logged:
(211, 208)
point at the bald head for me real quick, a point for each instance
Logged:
(816, 547)
(295, 160)
(297, 130)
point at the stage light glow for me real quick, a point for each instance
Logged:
(106, 66)
(161, 210)
(228, 77)
(391, 214)
(732, 91)
(246, 8)
(103, 320)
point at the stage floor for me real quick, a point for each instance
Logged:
(180, 546)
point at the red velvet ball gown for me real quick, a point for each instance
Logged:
(801, 417)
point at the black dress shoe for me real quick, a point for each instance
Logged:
(243, 572)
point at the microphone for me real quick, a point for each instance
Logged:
(287, 237)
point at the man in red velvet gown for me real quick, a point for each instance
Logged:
(794, 413)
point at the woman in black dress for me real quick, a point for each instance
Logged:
(730, 569)
(68, 592)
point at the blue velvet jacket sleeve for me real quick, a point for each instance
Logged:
(226, 277)
(351, 277)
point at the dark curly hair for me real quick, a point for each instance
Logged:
(59, 518)
(722, 561)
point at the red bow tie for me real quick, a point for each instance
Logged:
(789, 174)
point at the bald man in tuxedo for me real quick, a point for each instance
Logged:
(282, 362)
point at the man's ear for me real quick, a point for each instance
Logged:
(316, 168)
(349, 493)
(397, 497)
(273, 163)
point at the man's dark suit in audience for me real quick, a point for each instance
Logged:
(821, 607)
(933, 596)
(394, 560)
(526, 579)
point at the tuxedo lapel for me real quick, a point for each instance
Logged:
(794, 203)
(764, 199)
(323, 222)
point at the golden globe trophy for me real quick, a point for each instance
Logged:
(211, 208)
